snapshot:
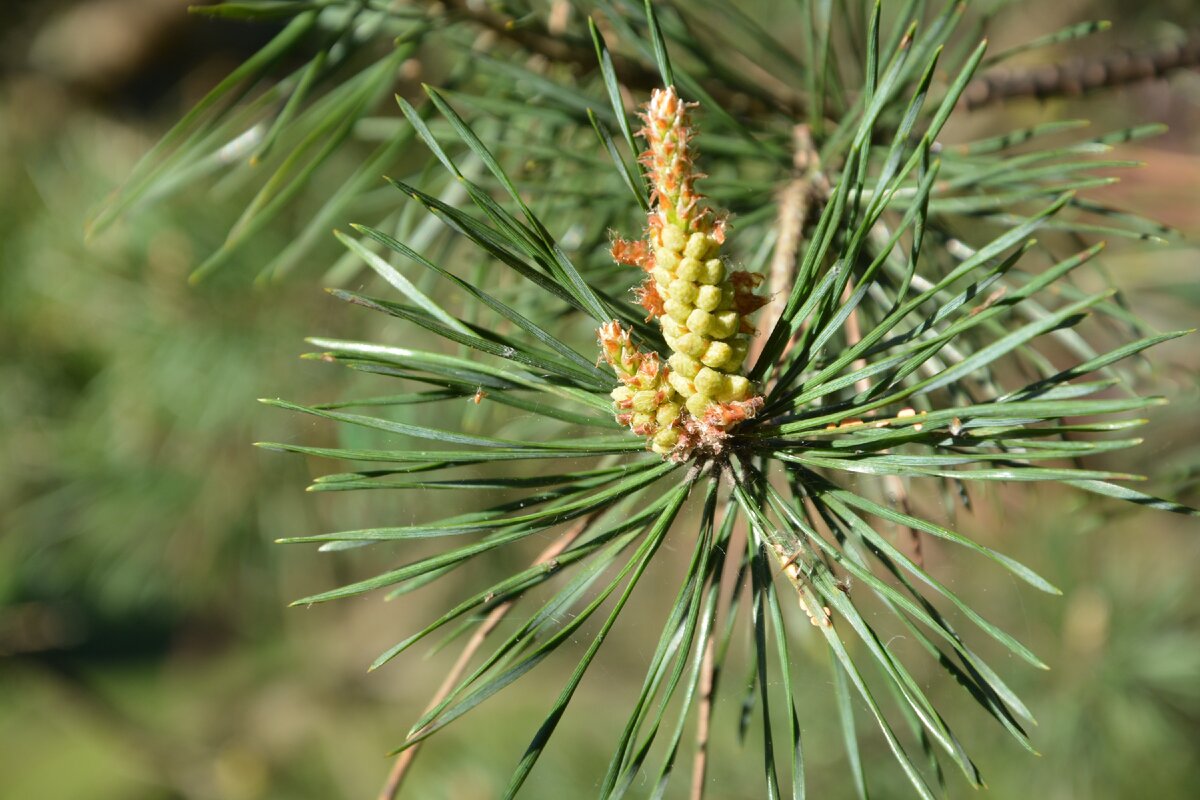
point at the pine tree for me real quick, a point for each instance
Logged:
(775, 376)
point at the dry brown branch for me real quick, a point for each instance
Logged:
(559, 17)
(708, 667)
(797, 199)
(1070, 78)
(853, 335)
(535, 37)
(1081, 75)
(403, 761)
(897, 493)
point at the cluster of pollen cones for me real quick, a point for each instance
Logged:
(690, 403)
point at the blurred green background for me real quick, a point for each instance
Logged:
(146, 650)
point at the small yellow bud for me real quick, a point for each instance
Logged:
(710, 382)
(690, 269)
(700, 321)
(680, 384)
(714, 271)
(725, 324)
(697, 303)
(665, 440)
(707, 297)
(666, 259)
(718, 355)
(697, 246)
(671, 328)
(667, 414)
(697, 404)
(692, 344)
(645, 402)
(684, 364)
(677, 311)
(684, 291)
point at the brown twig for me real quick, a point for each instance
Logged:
(709, 671)
(708, 668)
(1081, 75)
(1070, 78)
(403, 761)
(898, 494)
(853, 336)
(532, 35)
(796, 202)
(559, 17)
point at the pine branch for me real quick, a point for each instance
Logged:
(534, 36)
(708, 670)
(1080, 76)
(899, 349)
(807, 189)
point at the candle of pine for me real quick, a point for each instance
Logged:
(701, 305)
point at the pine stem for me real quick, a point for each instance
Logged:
(708, 667)
(554, 44)
(1082, 75)
(796, 202)
(898, 495)
(853, 336)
